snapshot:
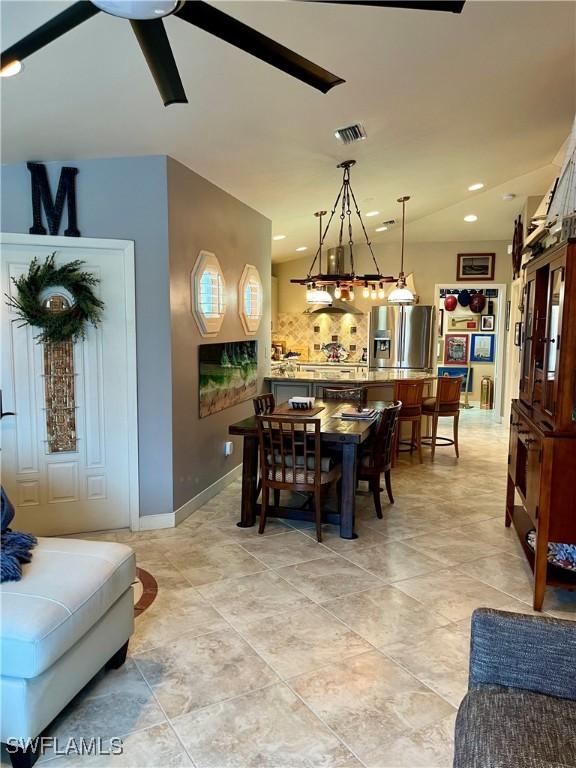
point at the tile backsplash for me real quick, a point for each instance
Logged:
(311, 331)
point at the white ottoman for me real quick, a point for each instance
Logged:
(71, 613)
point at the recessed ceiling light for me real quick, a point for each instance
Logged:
(380, 229)
(302, 248)
(373, 213)
(279, 237)
(471, 217)
(508, 196)
(11, 69)
(475, 187)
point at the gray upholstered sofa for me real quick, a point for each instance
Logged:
(520, 709)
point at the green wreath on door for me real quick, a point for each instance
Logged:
(77, 303)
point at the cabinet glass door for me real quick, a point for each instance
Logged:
(527, 339)
(552, 339)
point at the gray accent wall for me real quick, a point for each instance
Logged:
(125, 198)
(203, 217)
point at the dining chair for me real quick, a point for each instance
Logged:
(411, 395)
(377, 458)
(445, 403)
(265, 403)
(349, 394)
(291, 460)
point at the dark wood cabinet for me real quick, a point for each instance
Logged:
(542, 449)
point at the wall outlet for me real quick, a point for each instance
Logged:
(228, 448)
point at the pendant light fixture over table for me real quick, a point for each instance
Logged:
(343, 281)
(402, 294)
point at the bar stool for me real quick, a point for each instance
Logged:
(446, 403)
(411, 395)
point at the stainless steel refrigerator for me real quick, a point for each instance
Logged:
(402, 337)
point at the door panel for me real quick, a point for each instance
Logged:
(88, 488)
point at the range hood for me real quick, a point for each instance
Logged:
(337, 307)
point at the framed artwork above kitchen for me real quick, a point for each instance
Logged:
(473, 267)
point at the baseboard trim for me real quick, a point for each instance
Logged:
(208, 493)
(172, 519)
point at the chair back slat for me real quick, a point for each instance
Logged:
(383, 441)
(351, 394)
(264, 403)
(411, 393)
(448, 390)
(290, 450)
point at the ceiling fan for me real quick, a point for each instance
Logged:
(146, 16)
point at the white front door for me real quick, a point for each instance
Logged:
(92, 484)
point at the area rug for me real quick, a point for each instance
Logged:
(145, 591)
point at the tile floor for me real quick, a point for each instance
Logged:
(278, 652)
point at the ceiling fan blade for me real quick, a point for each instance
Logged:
(453, 6)
(242, 36)
(156, 48)
(51, 30)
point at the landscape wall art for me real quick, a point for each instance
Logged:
(228, 375)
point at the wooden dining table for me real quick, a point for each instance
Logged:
(338, 434)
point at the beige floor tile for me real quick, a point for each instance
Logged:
(455, 595)
(430, 747)
(328, 577)
(495, 533)
(385, 616)
(508, 573)
(164, 573)
(450, 547)
(367, 537)
(114, 703)
(193, 672)
(394, 561)
(177, 612)
(270, 728)
(150, 748)
(369, 698)
(286, 549)
(213, 563)
(439, 658)
(231, 531)
(253, 597)
(293, 643)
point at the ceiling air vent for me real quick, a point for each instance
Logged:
(351, 133)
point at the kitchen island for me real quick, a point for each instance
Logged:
(305, 383)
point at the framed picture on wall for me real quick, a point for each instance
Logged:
(482, 349)
(475, 266)
(453, 371)
(456, 348)
(440, 322)
(463, 323)
(487, 323)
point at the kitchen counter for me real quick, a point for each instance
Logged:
(330, 374)
(380, 384)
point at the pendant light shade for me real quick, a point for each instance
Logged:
(402, 294)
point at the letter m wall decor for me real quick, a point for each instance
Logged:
(42, 198)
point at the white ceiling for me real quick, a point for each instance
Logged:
(447, 100)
